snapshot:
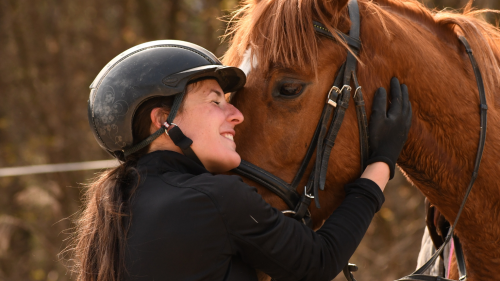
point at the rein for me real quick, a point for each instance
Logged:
(323, 141)
(418, 274)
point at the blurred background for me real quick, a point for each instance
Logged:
(50, 51)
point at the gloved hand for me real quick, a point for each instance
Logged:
(388, 130)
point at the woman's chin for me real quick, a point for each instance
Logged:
(232, 162)
(236, 161)
(222, 162)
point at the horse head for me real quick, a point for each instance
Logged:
(291, 70)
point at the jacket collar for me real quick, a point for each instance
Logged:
(162, 161)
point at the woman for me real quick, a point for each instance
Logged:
(164, 214)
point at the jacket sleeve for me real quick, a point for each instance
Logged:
(286, 249)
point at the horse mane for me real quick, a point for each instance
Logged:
(284, 30)
(447, 25)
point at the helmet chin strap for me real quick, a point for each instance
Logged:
(175, 134)
(183, 142)
(175, 107)
(173, 131)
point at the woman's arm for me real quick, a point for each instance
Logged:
(287, 249)
(378, 172)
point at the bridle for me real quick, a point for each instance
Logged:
(323, 141)
(324, 138)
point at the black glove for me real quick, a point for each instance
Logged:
(389, 129)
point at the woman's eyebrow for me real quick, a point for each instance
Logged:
(219, 93)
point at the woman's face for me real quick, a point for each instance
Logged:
(209, 121)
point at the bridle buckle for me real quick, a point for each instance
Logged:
(338, 91)
(310, 196)
(356, 92)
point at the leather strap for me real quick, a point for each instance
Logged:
(349, 71)
(145, 142)
(177, 136)
(307, 158)
(423, 277)
(483, 109)
(276, 185)
(417, 275)
(349, 40)
(348, 270)
(184, 143)
(355, 18)
(175, 107)
(459, 254)
(323, 140)
(324, 150)
(362, 123)
(302, 208)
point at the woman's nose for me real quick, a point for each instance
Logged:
(234, 115)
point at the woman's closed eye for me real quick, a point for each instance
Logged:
(216, 102)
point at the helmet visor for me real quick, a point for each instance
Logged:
(230, 78)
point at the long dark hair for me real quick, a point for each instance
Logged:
(98, 244)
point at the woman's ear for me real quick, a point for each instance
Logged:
(158, 117)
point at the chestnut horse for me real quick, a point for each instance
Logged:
(291, 70)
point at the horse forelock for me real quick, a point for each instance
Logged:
(280, 32)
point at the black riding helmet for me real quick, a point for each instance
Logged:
(153, 69)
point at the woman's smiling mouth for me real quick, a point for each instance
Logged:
(228, 136)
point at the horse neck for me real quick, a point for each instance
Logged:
(442, 144)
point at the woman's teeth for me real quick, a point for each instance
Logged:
(228, 136)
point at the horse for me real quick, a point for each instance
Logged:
(291, 69)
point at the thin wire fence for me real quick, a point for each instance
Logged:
(57, 168)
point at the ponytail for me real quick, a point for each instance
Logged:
(102, 228)
(99, 243)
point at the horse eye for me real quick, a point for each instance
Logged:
(291, 89)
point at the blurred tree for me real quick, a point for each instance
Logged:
(51, 51)
(458, 4)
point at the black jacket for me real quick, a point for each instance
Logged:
(188, 224)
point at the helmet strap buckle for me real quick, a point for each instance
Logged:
(167, 126)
